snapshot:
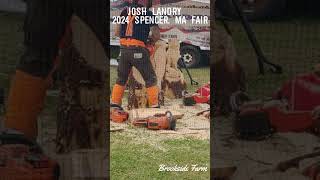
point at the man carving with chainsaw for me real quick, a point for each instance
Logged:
(134, 52)
(45, 24)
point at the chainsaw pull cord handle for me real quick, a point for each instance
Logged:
(170, 115)
(172, 122)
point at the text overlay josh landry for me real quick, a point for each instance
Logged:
(159, 16)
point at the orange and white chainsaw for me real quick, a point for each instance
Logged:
(157, 122)
(117, 114)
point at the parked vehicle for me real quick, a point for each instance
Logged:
(194, 39)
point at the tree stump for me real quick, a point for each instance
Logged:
(81, 110)
(173, 83)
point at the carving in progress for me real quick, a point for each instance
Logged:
(169, 78)
(174, 83)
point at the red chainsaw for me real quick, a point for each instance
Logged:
(23, 159)
(157, 122)
(118, 114)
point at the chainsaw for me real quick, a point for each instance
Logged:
(117, 114)
(21, 158)
(157, 122)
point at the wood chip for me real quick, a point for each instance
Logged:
(116, 129)
(199, 128)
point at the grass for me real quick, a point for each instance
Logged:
(142, 161)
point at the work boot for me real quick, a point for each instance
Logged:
(153, 95)
(25, 102)
(117, 94)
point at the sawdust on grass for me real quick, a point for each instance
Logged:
(190, 125)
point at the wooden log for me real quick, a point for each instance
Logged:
(137, 97)
(147, 112)
(81, 121)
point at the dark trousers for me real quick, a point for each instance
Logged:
(138, 57)
(44, 27)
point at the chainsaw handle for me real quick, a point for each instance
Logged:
(172, 121)
(169, 113)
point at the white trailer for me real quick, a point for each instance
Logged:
(194, 39)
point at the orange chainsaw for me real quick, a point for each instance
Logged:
(157, 122)
(23, 159)
(117, 114)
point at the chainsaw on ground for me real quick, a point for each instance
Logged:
(117, 114)
(23, 159)
(157, 122)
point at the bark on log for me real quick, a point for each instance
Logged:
(137, 97)
(81, 110)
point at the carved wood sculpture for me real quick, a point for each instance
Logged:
(81, 107)
(173, 83)
(82, 95)
(170, 78)
(227, 74)
(137, 91)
